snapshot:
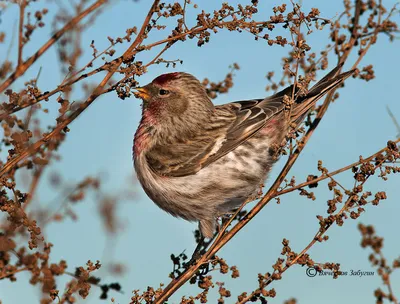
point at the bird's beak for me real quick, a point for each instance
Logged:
(143, 93)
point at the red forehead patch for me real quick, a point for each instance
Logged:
(164, 78)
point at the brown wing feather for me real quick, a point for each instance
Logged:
(242, 131)
(180, 158)
(238, 125)
(241, 120)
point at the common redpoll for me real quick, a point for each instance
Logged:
(198, 161)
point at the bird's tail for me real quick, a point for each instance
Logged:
(303, 104)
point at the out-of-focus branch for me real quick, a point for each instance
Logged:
(168, 41)
(384, 269)
(96, 93)
(33, 186)
(21, 69)
(8, 274)
(22, 6)
(394, 119)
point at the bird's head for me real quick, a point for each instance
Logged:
(174, 95)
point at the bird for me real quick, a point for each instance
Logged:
(197, 160)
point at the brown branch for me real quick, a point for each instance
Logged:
(22, 6)
(330, 174)
(70, 81)
(391, 297)
(201, 28)
(90, 63)
(115, 85)
(96, 93)
(294, 261)
(33, 187)
(177, 283)
(215, 247)
(394, 119)
(21, 69)
(321, 232)
(354, 35)
(107, 65)
(167, 46)
(6, 275)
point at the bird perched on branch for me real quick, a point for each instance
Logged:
(198, 161)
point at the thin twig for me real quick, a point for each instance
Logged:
(321, 232)
(177, 283)
(394, 119)
(330, 174)
(26, 64)
(22, 6)
(96, 93)
(106, 66)
(6, 275)
(34, 184)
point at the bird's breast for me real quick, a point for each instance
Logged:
(142, 139)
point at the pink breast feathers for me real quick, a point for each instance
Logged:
(142, 135)
(141, 138)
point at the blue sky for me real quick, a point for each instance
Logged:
(100, 143)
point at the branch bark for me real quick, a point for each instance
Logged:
(23, 67)
(175, 284)
(22, 6)
(96, 93)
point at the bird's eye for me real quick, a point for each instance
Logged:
(163, 92)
